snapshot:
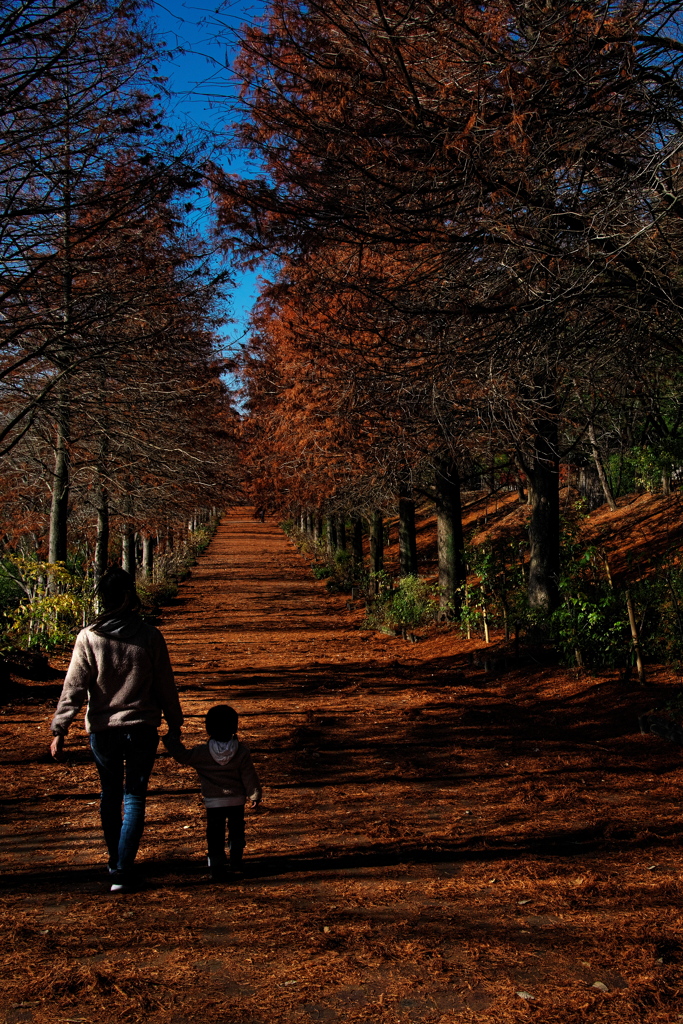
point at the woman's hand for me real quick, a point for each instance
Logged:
(57, 748)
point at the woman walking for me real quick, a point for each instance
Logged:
(120, 665)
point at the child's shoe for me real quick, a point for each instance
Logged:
(219, 871)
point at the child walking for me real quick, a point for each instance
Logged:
(228, 779)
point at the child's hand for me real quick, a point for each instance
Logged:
(255, 805)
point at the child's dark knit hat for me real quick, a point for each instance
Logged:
(221, 722)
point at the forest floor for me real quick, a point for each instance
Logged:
(447, 834)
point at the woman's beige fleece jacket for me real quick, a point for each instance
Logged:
(125, 681)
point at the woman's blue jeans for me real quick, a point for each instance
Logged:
(124, 756)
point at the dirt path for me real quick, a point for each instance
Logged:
(444, 838)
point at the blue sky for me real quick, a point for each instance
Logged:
(204, 94)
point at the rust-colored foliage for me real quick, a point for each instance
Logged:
(485, 198)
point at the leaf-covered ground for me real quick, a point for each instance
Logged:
(447, 834)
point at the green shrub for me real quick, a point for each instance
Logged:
(53, 604)
(659, 604)
(643, 466)
(339, 571)
(591, 625)
(499, 586)
(10, 590)
(408, 606)
(412, 604)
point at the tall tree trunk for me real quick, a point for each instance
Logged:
(331, 536)
(357, 541)
(102, 539)
(148, 555)
(602, 475)
(449, 537)
(544, 526)
(317, 529)
(59, 510)
(341, 532)
(635, 639)
(407, 543)
(376, 543)
(128, 549)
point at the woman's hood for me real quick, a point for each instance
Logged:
(119, 627)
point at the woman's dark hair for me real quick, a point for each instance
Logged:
(117, 593)
(221, 722)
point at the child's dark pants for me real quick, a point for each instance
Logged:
(216, 820)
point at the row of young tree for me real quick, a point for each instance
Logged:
(114, 415)
(475, 215)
